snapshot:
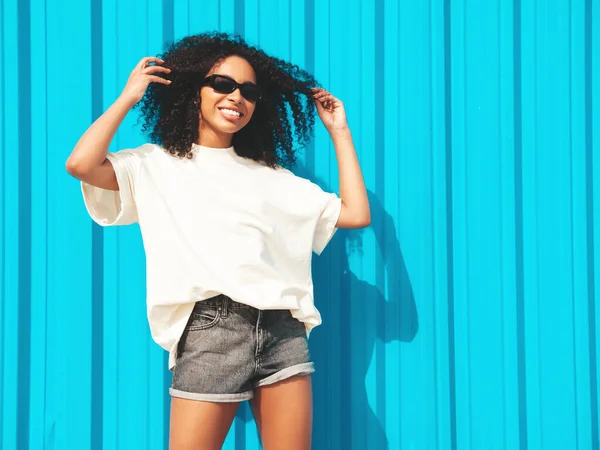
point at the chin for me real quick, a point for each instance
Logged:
(229, 130)
(229, 127)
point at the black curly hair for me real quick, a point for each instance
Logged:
(171, 113)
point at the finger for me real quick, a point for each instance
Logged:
(321, 108)
(329, 98)
(151, 69)
(155, 79)
(148, 59)
(335, 101)
(319, 105)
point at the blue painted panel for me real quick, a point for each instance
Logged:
(464, 317)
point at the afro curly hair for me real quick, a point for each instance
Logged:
(171, 113)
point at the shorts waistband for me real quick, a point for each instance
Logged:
(222, 303)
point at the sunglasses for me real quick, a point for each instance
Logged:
(226, 85)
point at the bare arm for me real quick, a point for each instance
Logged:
(355, 212)
(87, 161)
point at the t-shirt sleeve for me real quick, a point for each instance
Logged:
(330, 206)
(108, 207)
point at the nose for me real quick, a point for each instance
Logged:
(235, 96)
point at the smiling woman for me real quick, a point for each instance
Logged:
(228, 231)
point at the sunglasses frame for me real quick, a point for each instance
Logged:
(210, 79)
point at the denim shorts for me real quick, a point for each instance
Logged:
(228, 349)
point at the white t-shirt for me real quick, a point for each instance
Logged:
(217, 224)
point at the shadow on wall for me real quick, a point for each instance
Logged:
(343, 346)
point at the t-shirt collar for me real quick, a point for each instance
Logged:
(204, 149)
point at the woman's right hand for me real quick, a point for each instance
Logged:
(141, 76)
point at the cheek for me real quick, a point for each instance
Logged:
(206, 110)
(250, 109)
(207, 103)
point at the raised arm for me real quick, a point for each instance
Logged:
(87, 161)
(355, 211)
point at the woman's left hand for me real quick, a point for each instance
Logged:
(331, 110)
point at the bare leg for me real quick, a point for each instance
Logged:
(283, 413)
(199, 425)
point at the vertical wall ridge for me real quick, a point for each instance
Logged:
(519, 262)
(449, 217)
(24, 238)
(590, 223)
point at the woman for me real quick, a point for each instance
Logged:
(228, 231)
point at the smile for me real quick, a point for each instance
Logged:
(231, 114)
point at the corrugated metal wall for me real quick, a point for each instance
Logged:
(463, 318)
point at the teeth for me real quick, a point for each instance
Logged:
(231, 112)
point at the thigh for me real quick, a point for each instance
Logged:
(283, 412)
(199, 425)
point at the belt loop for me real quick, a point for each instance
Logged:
(224, 307)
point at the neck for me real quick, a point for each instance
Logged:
(209, 137)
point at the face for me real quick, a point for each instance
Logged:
(218, 118)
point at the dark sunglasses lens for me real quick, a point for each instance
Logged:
(223, 85)
(252, 93)
(226, 86)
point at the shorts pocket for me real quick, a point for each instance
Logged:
(204, 317)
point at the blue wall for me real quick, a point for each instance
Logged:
(464, 317)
